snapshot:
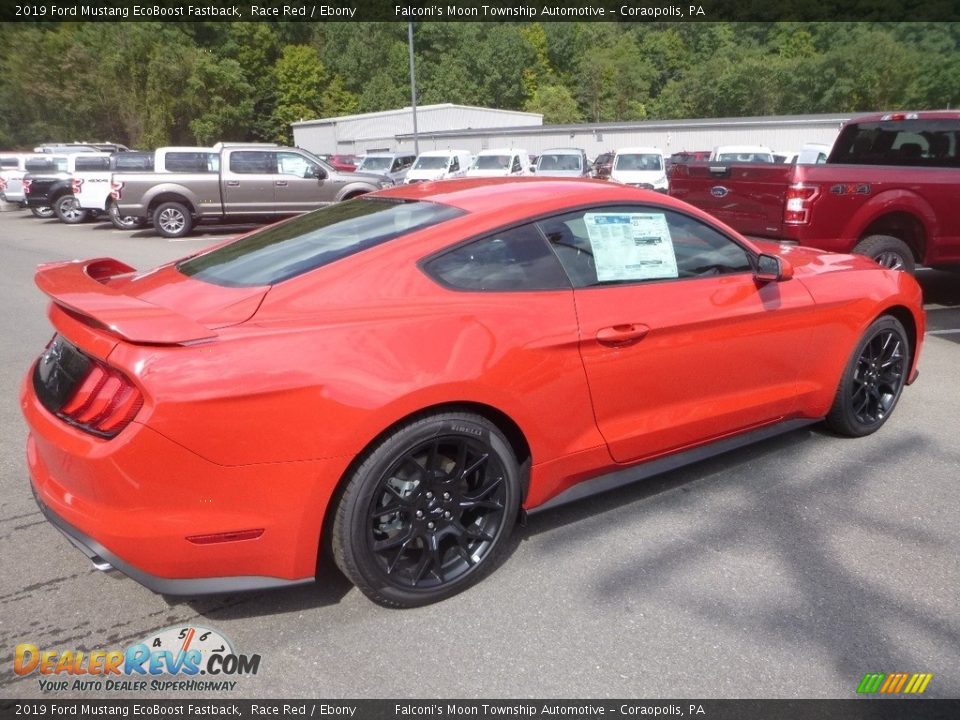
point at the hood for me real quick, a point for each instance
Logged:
(810, 261)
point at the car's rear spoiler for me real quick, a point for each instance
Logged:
(79, 287)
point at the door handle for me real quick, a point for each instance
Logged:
(280, 182)
(620, 335)
(233, 183)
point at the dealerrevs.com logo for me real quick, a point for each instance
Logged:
(188, 659)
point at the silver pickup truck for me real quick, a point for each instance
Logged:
(236, 183)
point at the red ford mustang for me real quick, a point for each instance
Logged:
(395, 377)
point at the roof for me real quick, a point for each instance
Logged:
(408, 109)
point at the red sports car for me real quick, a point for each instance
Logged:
(397, 377)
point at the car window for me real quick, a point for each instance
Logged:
(630, 244)
(91, 163)
(253, 162)
(310, 241)
(512, 260)
(455, 164)
(192, 162)
(289, 163)
(516, 164)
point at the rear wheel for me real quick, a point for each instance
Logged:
(888, 251)
(68, 209)
(172, 220)
(872, 381)
(124, 222)
(44, 211)
(428, 511)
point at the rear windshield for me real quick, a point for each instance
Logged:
(310, 241)
(932, 143)
(375, 163)
(46, 164)
(559, 161)
(91, 163)
(9, 162)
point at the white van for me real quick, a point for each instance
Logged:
(642, 167)
(439, 165)
(500, 162)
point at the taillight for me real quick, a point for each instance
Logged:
(3, 184)
(799, 199)
(26, 186)
(116, 190)
(104, 402)
(75, 185)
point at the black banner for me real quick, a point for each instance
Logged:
(637, 11)
(857, 709)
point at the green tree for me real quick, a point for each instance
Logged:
(556, 104)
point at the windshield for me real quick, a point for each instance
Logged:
(559, 161)
(375, 163)
(310, 241)
(431, 162)
(639, 161)
(492, 162)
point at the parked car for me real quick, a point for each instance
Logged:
(344, 163)
(601, 166)
(500, 162)
(390, 165)
(237, 183)
(741, 154)
(47, 187)
(395, 377)
(642, 167)
(813, 154)
(887, 191)
(439, 165)
(563, 162)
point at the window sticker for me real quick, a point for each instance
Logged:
(631, 246)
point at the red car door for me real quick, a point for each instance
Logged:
(680, 343)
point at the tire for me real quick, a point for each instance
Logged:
(428, 511)
(872, 381)
(888, 251)
(124, 222)
(172, 220)
(44, 211)
(69, 211)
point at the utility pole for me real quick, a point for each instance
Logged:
(413, 89)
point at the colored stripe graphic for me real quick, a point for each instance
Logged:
(894, 683)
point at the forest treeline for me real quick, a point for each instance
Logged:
(152, 84)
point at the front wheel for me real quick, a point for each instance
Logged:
(887, 251)
(172, 220)
(428, 511)
(43, 211)
(872, 381)
(69, 211)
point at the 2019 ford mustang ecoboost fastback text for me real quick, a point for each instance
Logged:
(394, 378)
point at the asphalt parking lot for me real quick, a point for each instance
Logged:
(787, 569)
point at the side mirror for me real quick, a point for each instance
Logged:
(771, 268)
(320, 175)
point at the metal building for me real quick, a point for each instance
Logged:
(393, 129)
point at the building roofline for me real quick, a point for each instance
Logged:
(420, 108)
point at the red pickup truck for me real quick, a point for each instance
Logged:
(889, 190)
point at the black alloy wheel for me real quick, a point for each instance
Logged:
(873, 380)
(428, 511)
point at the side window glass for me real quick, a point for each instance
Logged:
(513, 260)
(516, 164)
(638, 244)
(253, 162)
(455, 164)
(397, 165)
(296, 164)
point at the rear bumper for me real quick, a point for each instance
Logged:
(134, 502)
(104, 560)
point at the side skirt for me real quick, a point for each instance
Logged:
(642, 471)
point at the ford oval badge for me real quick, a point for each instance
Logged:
(718, 191)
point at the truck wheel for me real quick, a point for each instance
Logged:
(888, 251)
(172, 220)
(44, 211)
(124, 222)
(69, 211)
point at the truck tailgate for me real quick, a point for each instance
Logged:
(750, 198)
